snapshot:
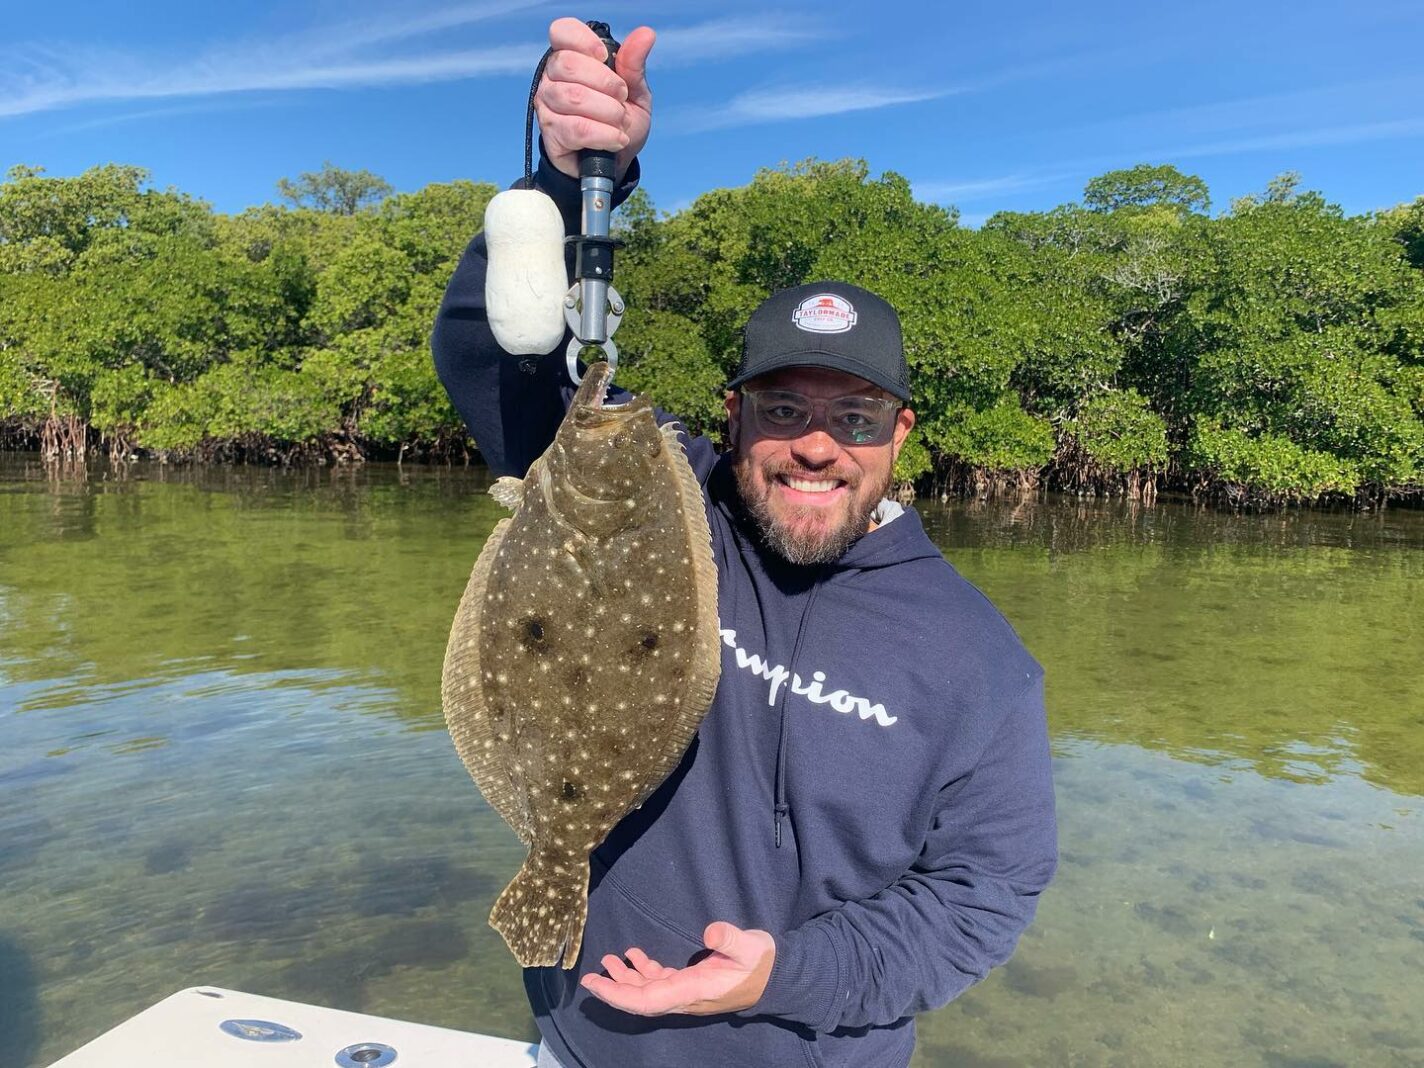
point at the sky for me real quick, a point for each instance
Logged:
(983, 106)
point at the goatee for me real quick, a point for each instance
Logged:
(803, 543)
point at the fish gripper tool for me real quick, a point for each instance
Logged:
(592, 308)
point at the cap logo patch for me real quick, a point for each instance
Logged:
(825, 313)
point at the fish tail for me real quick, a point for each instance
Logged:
(541, 913)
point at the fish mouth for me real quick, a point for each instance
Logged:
(590, 407)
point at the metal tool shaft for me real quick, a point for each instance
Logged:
(597, 193)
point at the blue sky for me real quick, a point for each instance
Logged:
(986, 106)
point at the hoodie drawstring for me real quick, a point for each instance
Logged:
(780, 808)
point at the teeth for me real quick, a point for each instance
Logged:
(806, 485)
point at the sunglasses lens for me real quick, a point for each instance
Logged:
(850, 420)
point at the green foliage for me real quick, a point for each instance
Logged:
(1119, 433)
(1272, 353)
(914, 459)
(1405, 224)
(362, 288)
(1145, 186)
(333, 189)
(1268, 465)
(1002, 438)
(665, 357)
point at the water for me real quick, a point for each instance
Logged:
(223, 763)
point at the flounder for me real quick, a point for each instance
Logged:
(584, 653)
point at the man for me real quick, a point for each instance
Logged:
(863, 825)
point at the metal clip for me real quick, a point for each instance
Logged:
(574, 316)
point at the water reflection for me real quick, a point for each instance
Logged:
(224, 764)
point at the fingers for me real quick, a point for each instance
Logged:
(645, 965)
(569, 133)
(575, 67)
(573, 35)
(579, 101)
(619, 972)
(642, 999)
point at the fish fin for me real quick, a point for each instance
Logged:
(541, 914)
(704, 666)
(508, 492)
(462, 696)
(671, 433)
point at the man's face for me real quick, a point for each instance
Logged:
(811, 495)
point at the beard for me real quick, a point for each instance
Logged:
(799, 534)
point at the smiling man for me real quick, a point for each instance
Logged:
(865, 821)
(816, 415)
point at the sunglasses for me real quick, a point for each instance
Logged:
(780, 413)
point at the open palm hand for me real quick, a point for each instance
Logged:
(730, 978)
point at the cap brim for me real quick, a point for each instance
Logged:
(835, 361)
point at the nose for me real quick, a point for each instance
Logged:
(816, 447)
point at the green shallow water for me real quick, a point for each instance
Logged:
(223, 763)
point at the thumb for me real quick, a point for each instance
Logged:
(631, 63)
(730, 941)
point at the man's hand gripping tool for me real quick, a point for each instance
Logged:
(592, 308)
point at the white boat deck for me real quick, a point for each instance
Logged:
(219, 1028)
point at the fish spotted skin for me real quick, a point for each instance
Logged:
(584, 653)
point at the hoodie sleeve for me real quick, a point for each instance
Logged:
(940, 928)
(512, 405)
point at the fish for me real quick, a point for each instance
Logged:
(584, 653)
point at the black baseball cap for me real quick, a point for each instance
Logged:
(826, 324)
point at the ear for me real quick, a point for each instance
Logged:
(904, 423)
(732, 402)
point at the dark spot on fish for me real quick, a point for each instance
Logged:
(532, 635)
(572, 791)
(650, 641)
(577, 678)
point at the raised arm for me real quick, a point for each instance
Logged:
(513, 405)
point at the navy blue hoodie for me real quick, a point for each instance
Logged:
(871, 784)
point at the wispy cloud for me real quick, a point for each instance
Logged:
(1345, 134)
(786, 103)
(358, 54)
(122, 79)
(966, 192)
(731, 38)
(800, 102)
(202, 107)
(36, 78)
(360, 33)
(1079, 170)
(1299, 108)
